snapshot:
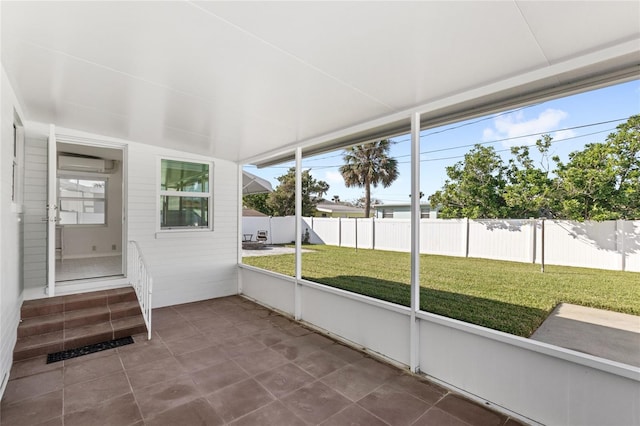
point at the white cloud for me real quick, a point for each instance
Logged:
(515, 126)
(333, 177)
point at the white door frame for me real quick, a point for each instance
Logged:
(52, 209)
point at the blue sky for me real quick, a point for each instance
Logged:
(446, 145)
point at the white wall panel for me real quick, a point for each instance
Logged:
(365, 232)
(347, 232)
(35, 230)
(327, 230)
(443, 236)
(268, 288)
(632, 245)
(385, 331)
(500, 239)
(584, 244)
(11, 230)
(283, 229)
(393, 234)
(548, 389)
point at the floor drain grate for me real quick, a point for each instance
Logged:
(89, 349)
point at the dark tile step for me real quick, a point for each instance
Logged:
(88, 316)
(124, 309)
(41, 325)
(128, 326)
(41, 344)
(52, 305)
(78, 318)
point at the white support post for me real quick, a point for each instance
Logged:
(239, 245)
(414, 356)
(297, 304)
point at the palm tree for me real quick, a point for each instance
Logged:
(369, 164)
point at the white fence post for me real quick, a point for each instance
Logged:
(373, 233)
(465, 237)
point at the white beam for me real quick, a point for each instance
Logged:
(298, 308)
(415, 241)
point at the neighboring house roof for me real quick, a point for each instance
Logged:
(252, 213)
(331, 207)
(399, 205)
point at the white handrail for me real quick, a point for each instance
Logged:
(142, 282)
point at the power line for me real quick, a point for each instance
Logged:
(491, 142)
(469, 123)
(480, 143)
(509, 149)
(517, 137)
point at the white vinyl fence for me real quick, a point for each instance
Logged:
(613, 245)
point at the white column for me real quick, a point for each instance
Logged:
(415, 242)
(297, 304)
(239, 241)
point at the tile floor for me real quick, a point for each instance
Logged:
(229, 361)
(92, 267)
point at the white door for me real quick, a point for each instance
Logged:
(52, 211)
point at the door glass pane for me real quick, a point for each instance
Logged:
(180, 212)
(82, 188)
(82, 212)
(184, 176)
(82, 201)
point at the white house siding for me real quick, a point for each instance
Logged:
(10, 235)
(186, 266)
(35, 230)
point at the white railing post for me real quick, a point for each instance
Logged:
(142, 282)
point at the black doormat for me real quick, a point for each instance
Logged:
(89, 349)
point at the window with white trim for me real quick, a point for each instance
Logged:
(185, 195)
(82, 200)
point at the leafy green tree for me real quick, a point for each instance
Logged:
(369, 165)
(602, 182)
(282, 201)
(258, 202)
(530, 190)
(474, 187)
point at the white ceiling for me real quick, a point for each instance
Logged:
(236, 80)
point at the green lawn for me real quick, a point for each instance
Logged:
(508, 296)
